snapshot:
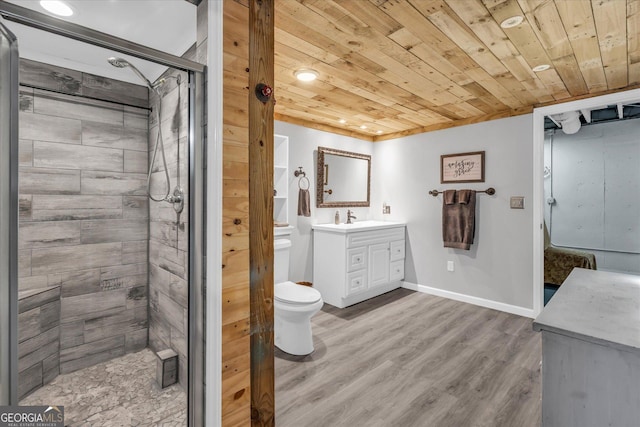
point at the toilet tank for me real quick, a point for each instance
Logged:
(281, 249)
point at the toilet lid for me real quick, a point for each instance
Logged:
(293, 293)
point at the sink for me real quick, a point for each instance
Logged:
(357, 226)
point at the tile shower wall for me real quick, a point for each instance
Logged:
(168, 231)
(83, 209)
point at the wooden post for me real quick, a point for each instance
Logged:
(261, 47)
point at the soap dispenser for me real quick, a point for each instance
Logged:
(337, 218)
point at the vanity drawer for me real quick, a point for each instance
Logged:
(363, 238)
(356, 259)
(397, 250)
(396, 271)
(356, 282)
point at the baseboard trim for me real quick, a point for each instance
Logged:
(495, 305)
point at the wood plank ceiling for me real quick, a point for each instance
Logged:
(401, 67)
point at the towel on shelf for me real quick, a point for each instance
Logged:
(459, 219)
(304, 202)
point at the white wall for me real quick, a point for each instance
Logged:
(498, 267)
(303, 151)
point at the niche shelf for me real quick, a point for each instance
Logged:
(281, 183)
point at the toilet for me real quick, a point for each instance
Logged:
(294, 305)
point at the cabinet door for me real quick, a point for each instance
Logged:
(378, 264)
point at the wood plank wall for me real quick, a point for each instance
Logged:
(236, 374)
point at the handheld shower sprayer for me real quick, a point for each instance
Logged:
(177, 198)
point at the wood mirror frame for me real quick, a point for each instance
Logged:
(321, 179)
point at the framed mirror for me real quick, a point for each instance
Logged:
(343, 178)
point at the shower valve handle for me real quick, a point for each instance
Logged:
(263, 92)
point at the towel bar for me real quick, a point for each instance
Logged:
(490, 191)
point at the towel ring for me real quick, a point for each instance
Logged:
(300, 183)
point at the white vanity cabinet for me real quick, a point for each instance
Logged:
(355, 262)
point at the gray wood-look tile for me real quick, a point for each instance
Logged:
(71, 334)
(73, 258)
(114, 325)
(25, 100)
(25, 150)
(135, 207)
(29, 324)
(114, 90)
(159, 332)
(49, 234)
(74, 358)
(114, 136)
(49, 76)
(25, 207)
(75, 283)
(93, 306)
(41, 127)
(49, 181)
(38, 298)
(135, 161)
(134, 252)
(113, 230)
(67, 156)
(171, 311)
(113, 183)
(24, 264)
(75, 207)
(50, 368)
(136, 118)
(411, 359)
(29, 380)
(69, 107)
(137, 296)
(35, 349)
(29, 283)
(135, 340)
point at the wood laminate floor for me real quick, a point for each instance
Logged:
(411, 359)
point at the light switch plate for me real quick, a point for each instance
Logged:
(517, 202)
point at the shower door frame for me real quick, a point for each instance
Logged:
(9, 237)
(197, 191)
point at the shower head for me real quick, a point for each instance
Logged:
(118, 62)
(123, 63)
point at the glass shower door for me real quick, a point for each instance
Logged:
(8, 215)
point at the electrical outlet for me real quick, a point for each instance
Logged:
(386, 210)
(450, 266)
(517, 202)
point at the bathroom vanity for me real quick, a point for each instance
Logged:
(355, 262)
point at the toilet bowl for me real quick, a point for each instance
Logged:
(294, 305)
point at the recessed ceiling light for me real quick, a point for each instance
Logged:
(343, 121)
(511, 22)
(363, 127)
(378, 132)
(541, 67)
(306, 75)
(56, 7)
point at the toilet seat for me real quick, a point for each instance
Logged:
(292, 293)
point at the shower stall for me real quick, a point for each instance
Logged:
(102, 226)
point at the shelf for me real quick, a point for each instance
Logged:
(280, 197)
(280, 167)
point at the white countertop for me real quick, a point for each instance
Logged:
(596, 306)
(357, 226)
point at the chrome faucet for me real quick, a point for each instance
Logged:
(349, 216)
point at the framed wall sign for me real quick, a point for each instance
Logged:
(462, 167)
